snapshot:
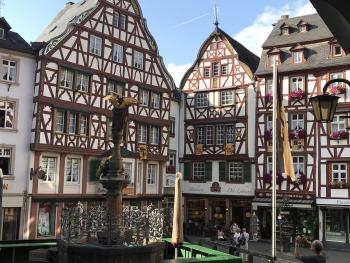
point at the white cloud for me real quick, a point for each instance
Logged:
(177, 71)
(253, 36)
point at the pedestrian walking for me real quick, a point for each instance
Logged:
(316, 246)
(233, 227)
(221, 234)
(244, 244)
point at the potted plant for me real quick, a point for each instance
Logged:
(336, 89)
(267, 178)
(298, 94)
(339, 135)
(297, 134)
(268, 135)
(300, 179)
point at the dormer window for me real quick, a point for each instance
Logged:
(297, 56)
(285, 31)
(2, 33)
(303, 28)
(336, 50)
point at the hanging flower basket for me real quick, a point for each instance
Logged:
(297, 95)
(268, 98)
(267, 178)
(337, 89)
(297, 134)
(268, 135)
(339, 135)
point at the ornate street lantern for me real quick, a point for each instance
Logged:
(324, 105)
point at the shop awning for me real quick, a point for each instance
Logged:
(292, 203)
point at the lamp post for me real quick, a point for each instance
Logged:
(324, 105)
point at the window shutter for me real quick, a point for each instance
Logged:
(187, 171)
(222, 171)
(208, 171)
(93, 166)
(247, 172)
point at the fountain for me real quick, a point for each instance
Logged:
(110, 233)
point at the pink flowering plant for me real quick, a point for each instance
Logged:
(336, 89)
(297, 134)
(300, 178)
(268, 178)
(298, 94)
(268, 98)
(339, 135)
(268, 135)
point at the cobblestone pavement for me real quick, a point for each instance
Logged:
(335, 252)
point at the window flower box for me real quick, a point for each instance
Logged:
(339, 185)
(268, 135)
(268, 98)
(337, 89)
(339, 135)
(297, 95)
(268, 178)
(297, 134)
(300, 179)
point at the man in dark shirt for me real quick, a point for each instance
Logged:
(316, 246)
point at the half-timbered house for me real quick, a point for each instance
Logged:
(308, 55)
(16, 93)
(217, 149)
(90, 49)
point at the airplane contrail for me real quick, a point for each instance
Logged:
(191, 20)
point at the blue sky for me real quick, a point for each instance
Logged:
(179, 26)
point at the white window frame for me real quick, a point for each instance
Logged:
(152, 174)
(95, 46)
(51, 171)
(230, 134)
(339, 173)
(128, 170)
(9, 111)
(72, 123)
(9, 70)
(296, 83)
(143, 97)
(60, 121)
(269, 124)
(83, 124)
(297, 56)
(82, 81)
(172, 159)
(269, 88)
(285, 31)
(299, 164)
(200, 135)
(72, 174)
(7, 152)
(215, 69)
(155, 100)
(206, 72)
(123, 22)
(66, 78)
(224, 69)
(198, 171)
(338, 124)
(303, 28)
(142, 133)
(297, 121)
(116, 20)
(154, 135)
(235, 172)
(227, 97)
(220, 135)
(117, 53)
(209, 138)
(138, 59)
(334, 49)
(202, 100)
(116, 87)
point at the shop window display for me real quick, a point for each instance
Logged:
(335, 225)
(219, 213)
(46, 220)
(10, 223)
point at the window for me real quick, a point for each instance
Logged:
(83, 125)
(224, 70)
(200, 135)
(46, 223)
(72, 123)
(7, 114)
(338, 124)
(303, 28)
(226, 97)
(269, 88)
(221, 44)
(116, 20)
(336, 75)
(155, 100)
(60, 121)
(66, 78)
(116, 87)
(201, 100)
(5, 160)
(95, 45)
(296, 83)
(285, 31)
(339, 172)
(269, 124)
(48, 164)
(220, 132)
(143, 97)
(142, 133)
(213, 45)
(207, 72)
(215, 69)
(235, 172)
(297, 121)
(269, 165)
(72, 170)
(118, 53)
(297, 56)
(298, 163)
(123, 22)
(229, 134)
(128, 171)
(209, 135)
(172, 126)
(154, 135)
(152, 174)
(138, 60)
(336, 50)
(172, 159)
(198, 172)
(81, 82)
(9, 70)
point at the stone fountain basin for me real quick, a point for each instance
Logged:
(90, 253)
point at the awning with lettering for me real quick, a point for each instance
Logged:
(292, 203)
(333, 202)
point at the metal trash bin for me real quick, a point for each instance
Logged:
(286, 244)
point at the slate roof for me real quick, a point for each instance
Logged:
(316, 54)
(13, 41)
(244, 54)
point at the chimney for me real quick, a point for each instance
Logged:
(284, 17)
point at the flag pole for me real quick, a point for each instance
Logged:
(274, 158)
